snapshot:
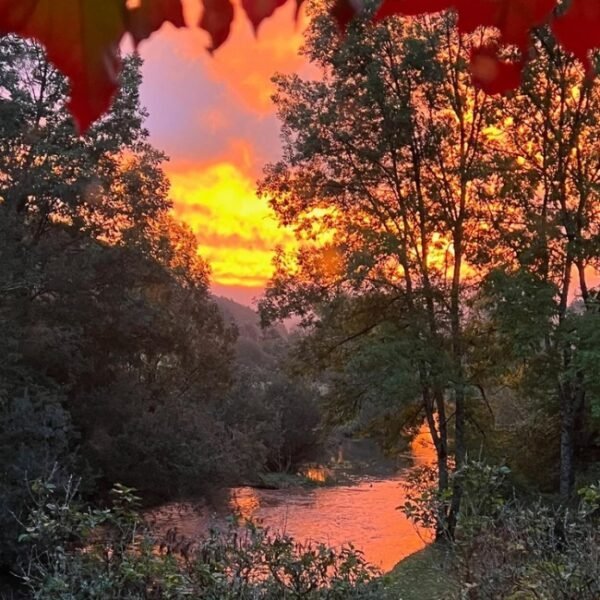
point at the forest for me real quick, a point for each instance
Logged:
(445, 282)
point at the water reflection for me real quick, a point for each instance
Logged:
(317, 474)
(245, 502)
(364, 513)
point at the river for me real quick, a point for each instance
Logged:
(362, 512)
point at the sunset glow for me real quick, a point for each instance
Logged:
(219, 131)
(237, 232)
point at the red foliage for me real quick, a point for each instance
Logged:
(493, 74)
(216, 19)
(258, 10)
(513, 19)
(82, 36)
(579, 28)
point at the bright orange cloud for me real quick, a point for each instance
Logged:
(237, 232)
(225, 129)
(245, 62)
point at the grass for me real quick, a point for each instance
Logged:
(282, 481)
(424, 575)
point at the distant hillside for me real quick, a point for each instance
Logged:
(255, 349)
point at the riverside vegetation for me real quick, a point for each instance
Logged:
(449, 246)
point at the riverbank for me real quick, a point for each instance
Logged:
(423, 575)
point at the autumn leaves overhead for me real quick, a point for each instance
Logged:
(82, 36)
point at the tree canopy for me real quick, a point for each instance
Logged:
(82, 38)
(449, 224)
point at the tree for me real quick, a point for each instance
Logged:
(388, 152)
(91, 62)
(544, 238)
(109, 334)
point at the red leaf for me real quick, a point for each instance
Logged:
(578, 30)
(258, 10)
(514, 18)
(344, 11)
(82, 40)
(491, 74)
(216, 19)
(150, 15)
(299, 4)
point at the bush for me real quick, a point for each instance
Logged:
(507, 548)
(78, 553)
(178, 450)
(35, 433)
(279, 419)
(536, 551)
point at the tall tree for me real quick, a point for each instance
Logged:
(543, 234)
(388, 152)
(109, 335)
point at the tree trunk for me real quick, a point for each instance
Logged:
(567, 445)
(572, 402)
(460, 456)
(439, 436)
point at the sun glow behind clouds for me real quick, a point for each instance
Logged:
(237, 232)
(214, 118)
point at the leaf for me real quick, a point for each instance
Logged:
(216, 19)
(82, 36)
(578, 30)
(389, 8)
(82, 39)
(491, 74)
(258, 10)
(150, 15)
(343, 11)
(513, 18)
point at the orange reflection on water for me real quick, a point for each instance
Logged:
(317, 474)
(364, 514)
(246, 502)
(421, 447)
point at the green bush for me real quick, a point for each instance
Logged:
(279, 420)
(505, 547)
(535, 550)
(35, 433)
(79, 553)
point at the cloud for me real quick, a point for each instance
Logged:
(237, 232)
(246, 62)
(214, 118)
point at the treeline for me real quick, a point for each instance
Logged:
(116, 365)
(449, 248)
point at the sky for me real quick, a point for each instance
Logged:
(213, 117)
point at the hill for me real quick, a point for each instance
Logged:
(256, 349)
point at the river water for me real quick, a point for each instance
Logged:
(362, 512)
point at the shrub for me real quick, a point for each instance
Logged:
(507, 548)
(35, 432)
(281, 417)
(537, 551)
(82, 553)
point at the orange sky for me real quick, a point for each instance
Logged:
(214, 118)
